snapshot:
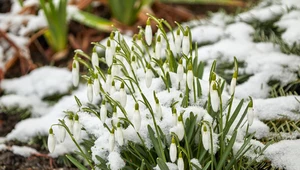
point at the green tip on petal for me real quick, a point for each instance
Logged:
(103, 102)
(133, 58)
(136, 106)
(76, 117)
(139, 37)
(204, 128)
(186, 32)
(178, 32)
(148, 66)
(108, 43)
(179, 118)
(214, 87)
(109, 71)
(112, 35)
(74, 65)
(190, 67)
(113, 83)
(174, 110)
(250, 103)
(119, 124)
(235, 74)
(213, 76)
(122, 85)
(173, 140)
(90, 81)
(148, 21)
(158, 38)
(115, 109)
(180, 155)
(50, 131)
(180, 61)
(70, 116)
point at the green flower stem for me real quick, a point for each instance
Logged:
(77, 145)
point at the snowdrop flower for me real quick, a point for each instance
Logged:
(190, 77)
(158, 110)
(114, 69)
(214, 97)
(113, 87)
(178, 41)
(136, 117)
(76, 128)
(115, 118)
(186, 43)
(75, 73)
(123, 95)
(119, 134)
(90, 91)
(61, 134)
(95, 59)
(109, 53)
(173, 150)
(233, 83)
(250, 112)
(158, 48)
(108, 81)
(205, 137)
(51, 141)
(180, 128)
(103, 111)
(112, 140)
(140, 43)
(180, 162)
(174, 116)
(69, 122)
(133, 63)
(180, 71)
(148, 76)
(96, 86)
(148, 33)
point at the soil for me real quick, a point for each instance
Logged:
(7, 123)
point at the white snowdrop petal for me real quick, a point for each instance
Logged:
(180, 71)
(205, 137)
(180, 130)
(180, 164)
(123, 97)
(95, 60)
(136, 120)
(90, 92)
(111, 142)
(173, 152)
(158, 50)
(190, 79)
(96, 87)
(77, 130)
(232, 86)
(103, 113)
(120, 138)
(148, 77)
(109, 56)
(250, 116)
(148, 34)
(61, 135)
(51, 142)
(158, 111)
(75, 73)
(69, 124)
(185, 45)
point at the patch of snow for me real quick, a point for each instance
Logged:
(284, 154)
(43, 82)
(206, 34)
(23, 150)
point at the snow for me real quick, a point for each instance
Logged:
(284, 154)
(226, 37)
(43, 82)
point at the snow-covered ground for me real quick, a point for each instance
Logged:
(226, 36)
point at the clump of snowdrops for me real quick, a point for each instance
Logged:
(194, 141)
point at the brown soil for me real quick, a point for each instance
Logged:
(7, 123)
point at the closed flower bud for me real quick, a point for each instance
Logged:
(190, 77)
(186, 43)
(109, 53)
(119, 134)
(158, 110)
(61, 135)
(250, 112)
(148, 76)
(75, 73)
(205, 137)
(158, 48)
(136, 117)
(115, 118)
(232, 86)
(180, 71)
(90, 91)
(148, 33)
(173, 150)
(174, 117)
(113, 87)
(123, 96)
(214, 97)
(69, 122)
(95, 59)
(51, 141)
(178, 41)
(112, 141)
(180, 162)
(96, 86)
(77, 128)
(108, 81)
(180, 128)
(103, 111)
(114, 70)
